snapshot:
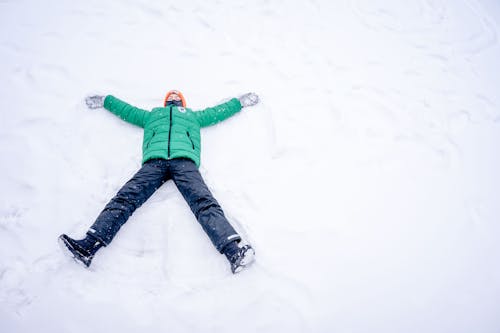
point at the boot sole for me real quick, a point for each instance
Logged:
(246, 260)
(69, 250)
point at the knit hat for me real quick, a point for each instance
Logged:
(178, 93)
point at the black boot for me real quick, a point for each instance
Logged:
(82, 250)
(239, 257)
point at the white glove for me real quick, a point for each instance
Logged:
(248, 99)
(95, 102)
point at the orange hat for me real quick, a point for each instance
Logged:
(178, 93)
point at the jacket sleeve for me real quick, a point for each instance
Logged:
(126, 111)
(216, 114)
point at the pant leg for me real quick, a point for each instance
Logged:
(130, 197)
(204, 206)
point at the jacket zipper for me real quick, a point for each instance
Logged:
(189, 136)
(169, 132)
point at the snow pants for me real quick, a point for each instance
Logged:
(146, 181)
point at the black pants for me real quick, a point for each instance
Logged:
(146, 181)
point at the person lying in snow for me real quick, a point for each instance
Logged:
(171, 150)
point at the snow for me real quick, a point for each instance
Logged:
(366, 179)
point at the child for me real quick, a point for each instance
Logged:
(171, 150)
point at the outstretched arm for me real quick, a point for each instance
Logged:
(118, 107)
(216, 114)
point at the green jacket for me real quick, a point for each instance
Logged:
(171, 132)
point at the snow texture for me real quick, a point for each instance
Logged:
(366, 179)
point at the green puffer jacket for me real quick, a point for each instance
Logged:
(171, 132)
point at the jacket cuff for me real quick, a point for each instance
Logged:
(236, 103)
(108, 101)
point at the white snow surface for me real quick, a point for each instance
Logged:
(366, 179)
